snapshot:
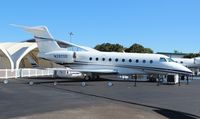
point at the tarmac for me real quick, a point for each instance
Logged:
(98, 100)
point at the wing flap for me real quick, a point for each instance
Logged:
(101, 71)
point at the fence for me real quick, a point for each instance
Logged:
(29, 72)
(15, 73)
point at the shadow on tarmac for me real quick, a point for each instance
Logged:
(171, 114)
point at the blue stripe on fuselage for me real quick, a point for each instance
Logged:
(78, 63)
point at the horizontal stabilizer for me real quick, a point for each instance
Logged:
(37, 31)
(44, 39)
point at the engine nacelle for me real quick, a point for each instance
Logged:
(59, 57)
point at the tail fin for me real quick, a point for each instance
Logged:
(44, 39)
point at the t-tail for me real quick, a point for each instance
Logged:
(44, 39)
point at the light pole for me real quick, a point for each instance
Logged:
(70, 36)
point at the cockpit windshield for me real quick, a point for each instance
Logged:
(162, 59)
(170, 60)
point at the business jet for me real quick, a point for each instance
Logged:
(94, 63)
(192, 63)
(188, 62)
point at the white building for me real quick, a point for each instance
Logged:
(15, 55)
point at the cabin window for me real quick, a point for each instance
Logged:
(116, 60)
(151, 61)
(130, 60)
(144, 61)
(90, 58)
(103, 59)
(123, 60)
(110, 59)
(97, 59)
(163, 59)
(181, 62)
(137, 60)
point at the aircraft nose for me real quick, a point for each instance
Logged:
(183, 69)
(188, 70)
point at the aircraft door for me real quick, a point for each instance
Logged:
(74, 56)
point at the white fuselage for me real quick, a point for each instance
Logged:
(121, 63)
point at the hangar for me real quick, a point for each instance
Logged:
(15, 55)
(6, 61)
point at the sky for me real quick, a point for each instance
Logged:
(162, 25)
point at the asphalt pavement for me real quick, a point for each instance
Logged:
(98, 100)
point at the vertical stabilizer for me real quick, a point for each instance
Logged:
(44, 39)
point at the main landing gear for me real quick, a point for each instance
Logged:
(91, 76)
(183, 77)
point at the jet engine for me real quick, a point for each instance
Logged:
(61, 57)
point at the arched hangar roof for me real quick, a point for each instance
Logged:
(3, 48)
(16, 51)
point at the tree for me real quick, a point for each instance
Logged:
(108, 47)
(137, 48)
(148, 50)
(191, 55)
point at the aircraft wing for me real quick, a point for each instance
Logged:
(99, 71)
(68, 44)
